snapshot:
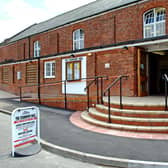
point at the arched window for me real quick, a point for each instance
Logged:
(78, 39)
(154, 22)
(37, 49)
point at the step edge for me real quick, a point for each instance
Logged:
(125, 118)
(120, 126)
(131, 110)
(131, 104)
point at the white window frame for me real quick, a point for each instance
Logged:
(37, 49)
(52, 67)
(78, 39)
(154, 23)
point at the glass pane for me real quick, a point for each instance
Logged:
(149, 17)
(76, 70)
(160, 28)
(47, 69)
(76, 35)
(149, 30)
(81, 34)
(69, 71)
(53, 69)
(77, 45)
(81, 44)
(160, 14)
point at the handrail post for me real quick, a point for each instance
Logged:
(101, 90)
(97, 83)
(121, 94)
(39, 95)
(88, 103)
(39, 76)
(166, 95)
(65, 95)
(109, 112)
(20, 93)
(121, 106)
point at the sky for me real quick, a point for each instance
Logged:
(16, 15)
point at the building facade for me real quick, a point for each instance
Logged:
(104, 38)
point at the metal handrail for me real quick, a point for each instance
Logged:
(65, 87)
(114, 82)
(165, 78)
(87, 88)
(96, 77)
(108, 90)
(39, 97)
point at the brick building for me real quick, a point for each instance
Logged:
(103, 38)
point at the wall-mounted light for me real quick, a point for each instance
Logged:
(89, 54)
(72, 55)
(125, 47)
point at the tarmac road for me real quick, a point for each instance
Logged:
(43, 159)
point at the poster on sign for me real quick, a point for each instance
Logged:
(25, 127)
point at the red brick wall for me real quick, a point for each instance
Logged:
(122, 62)
(9, 52)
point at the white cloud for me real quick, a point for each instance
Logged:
(19, 14)
(21, 11)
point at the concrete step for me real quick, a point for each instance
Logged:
(128, 120)
(138, 103)
(133, 112)
(135, 128)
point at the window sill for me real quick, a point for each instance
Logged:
(77, 80)
(49, 77)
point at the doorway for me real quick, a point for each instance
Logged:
(158, 65)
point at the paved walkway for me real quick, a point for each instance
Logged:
(69, 140)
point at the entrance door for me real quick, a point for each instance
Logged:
(158, 65)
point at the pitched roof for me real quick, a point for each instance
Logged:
(91, 9)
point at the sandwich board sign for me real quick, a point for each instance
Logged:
(25, 129)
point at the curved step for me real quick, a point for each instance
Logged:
(128, 120)
(133, 112)
(148, 129)
(138, 103)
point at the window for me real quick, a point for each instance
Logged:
(154, 22)
(73, 70)
(37, 49)
(78, 39)
(49, 69)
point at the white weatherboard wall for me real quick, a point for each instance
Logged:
(75, 87)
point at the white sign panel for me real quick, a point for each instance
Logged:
(25, 127)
